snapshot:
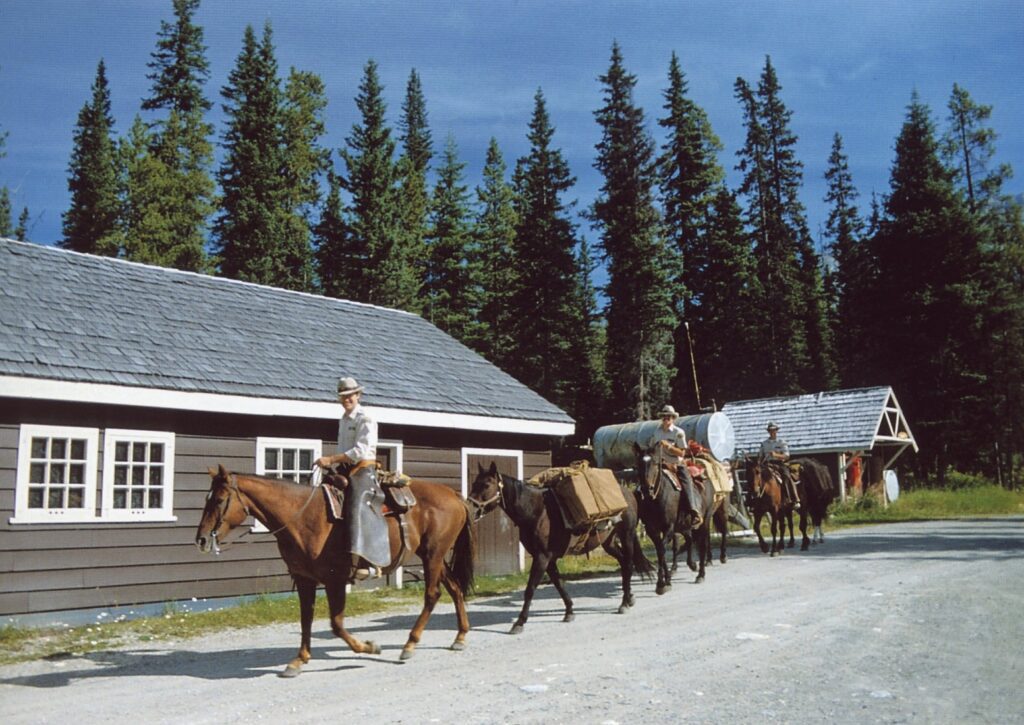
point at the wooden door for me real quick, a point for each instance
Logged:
(497, 543)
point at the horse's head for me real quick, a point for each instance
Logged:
(648, 466)
(485, 491)
(224, 510)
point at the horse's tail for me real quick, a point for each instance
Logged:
(464, 555)
(641, 564)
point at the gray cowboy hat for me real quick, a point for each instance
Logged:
(667, 411)
(347, 386)
(772, 426)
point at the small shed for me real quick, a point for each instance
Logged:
(859, 428)
(121, 383)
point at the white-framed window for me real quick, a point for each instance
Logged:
(56, 479)
(290, 458)
(389, 455)
(138, 475)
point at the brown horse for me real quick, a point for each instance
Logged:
(666, 511)
(766, 498)
(542, 531)
(314, 548)
(815, 489)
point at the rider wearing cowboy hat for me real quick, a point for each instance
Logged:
(775, 452)
(357, 451)
(668, 435)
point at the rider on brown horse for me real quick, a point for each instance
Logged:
(775, 452)
(357, 452)
(673, 440)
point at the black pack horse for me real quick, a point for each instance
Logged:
(666, 511)
(543, 532)
(816, 492)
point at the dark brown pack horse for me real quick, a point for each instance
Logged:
(542, 531)
(815, 489)
(666, 511)
(767, 499)
(314, 549)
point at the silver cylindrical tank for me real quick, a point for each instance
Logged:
(613, 444)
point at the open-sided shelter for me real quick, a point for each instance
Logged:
(836, 427)
(120, 384)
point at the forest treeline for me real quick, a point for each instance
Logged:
(710, 293)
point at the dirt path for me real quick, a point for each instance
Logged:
(900, 623)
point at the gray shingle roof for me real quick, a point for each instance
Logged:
(80, 318)
(839, 420)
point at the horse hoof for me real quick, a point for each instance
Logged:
(290, 671)
(372, 648)
(774, 553)
(693, 567)
(805, 547)
(764, 548)
(699, 580)
(662, 589)
(723, 560)
(457, 646)
(516, 629)
(569, 617)
(407, 654)
(623, 608)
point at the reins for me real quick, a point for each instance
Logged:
(233, 488)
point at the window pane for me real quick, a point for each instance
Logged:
(137, 500)
(76, 474)
(270, 460)
(156, 476)
(37, 473)
(120, 499)
(35, 498)
(56, 498)
(121, 451)
(56, 473)
(305, 459)
(138, 475)
(76, 498)
(156, 452)
(138, 451)
(78, 449)
(289, 459)
(58, 448)
(120, 475)
(39, 447)
(155, 498)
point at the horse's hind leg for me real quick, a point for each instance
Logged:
(432, 568)
(722, 524)
(459, 598)
(307, 598)
(805, 544)
(556, 580)
(623, 553)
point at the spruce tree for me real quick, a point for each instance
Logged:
(21, 231)
(381, 274)
(249, 228)
(689, 174)
(180, 143)
(451, 284)
(5, 212)
(91, 222)
(330, 239)
(968, 147)
(590, 407)
(641, 321)
(413, 199)
(495, 234)
(544, 301)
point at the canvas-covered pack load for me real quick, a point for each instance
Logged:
(715, 471)
(584, 493)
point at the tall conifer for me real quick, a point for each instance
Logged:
(413, 198)
(640, 317)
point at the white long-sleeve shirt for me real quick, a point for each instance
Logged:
(357, 435)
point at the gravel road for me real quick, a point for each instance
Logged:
(918, 623)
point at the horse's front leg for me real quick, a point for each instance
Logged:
(758, 516)
(805, 544)
(621, 547)
(336, 604)
(703, 536)
(540, 563)
(664, 575)
(307, 599)
(778, 525)
(556, 579)
(722, 524)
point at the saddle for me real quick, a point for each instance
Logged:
(398, 497)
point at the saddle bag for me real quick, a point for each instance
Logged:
(397, 495)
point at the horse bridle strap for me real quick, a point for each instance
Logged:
(482, 506)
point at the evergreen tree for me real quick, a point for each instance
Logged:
(413, 199)
(495, 233)
(5, 212)
(968, 147)
(931, 278)
(545, 295)
(146, 191)
(689, 176)
(641, 321)
(451, 283)
(91, 222)
(330, 238)
(590, 407)
(21, 231)
(180, 145)
(381, 275)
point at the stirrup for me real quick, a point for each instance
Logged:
(364, 573)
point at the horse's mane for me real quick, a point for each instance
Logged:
(272, 479)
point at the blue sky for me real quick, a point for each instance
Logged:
(845, 66)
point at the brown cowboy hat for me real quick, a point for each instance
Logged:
(667, 411)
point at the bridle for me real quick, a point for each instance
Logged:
(485, 507)
(222, 510)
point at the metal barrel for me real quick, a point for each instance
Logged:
(613, 444)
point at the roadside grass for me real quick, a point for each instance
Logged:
(177, 622)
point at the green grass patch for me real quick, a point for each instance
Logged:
(930, 504)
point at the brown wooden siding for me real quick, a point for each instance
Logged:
(55, 567)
